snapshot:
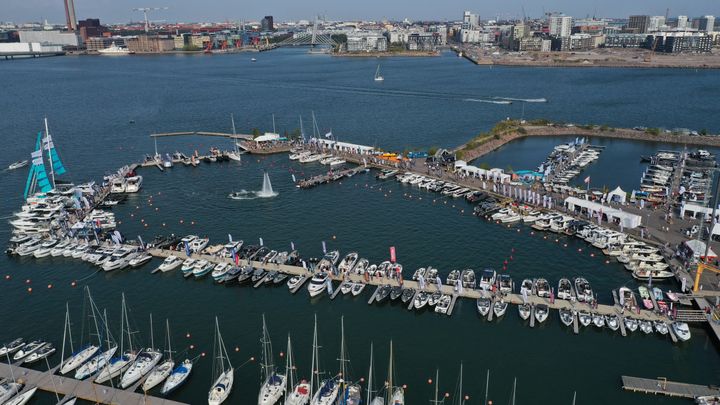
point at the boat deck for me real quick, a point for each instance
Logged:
(86, 389)
(671, 388)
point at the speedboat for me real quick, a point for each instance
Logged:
(348, 263)
(28, 349)
(357, 288)
(682, 331)
(395, 293)
(541, 312)
(583, 292)
(40, 354)
(453, 277)
(421, 299)
(140, 260)
(443, 304)
(566, 317)
(170, 263)
(524, 310)
(346, 286)
(499, 308)
(407, 295)
(18, 164)
(294, 281)
(660, 327)
(526, 287)
(645, 327)
(631, 324)
(483, 305)
(178, 376)
(384, 291)
(564, 291)
(12, 347)
(612, 321)
(258, 274)
(584, 318)
(542, 288)
(245, 274)
(487, 279)
(645, 296)
(468, 278)
(318, 284)
(598, 320)
(219, 271)
(202, 268)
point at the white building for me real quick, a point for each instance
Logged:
(470, 36)
(50, 37)
(470, 20)
(560, 25)
(682, 22)
(366, 42)
(657, 23)
(707, 23)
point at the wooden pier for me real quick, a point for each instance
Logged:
(378, 282)
(86, 389)
(330, 177)
(662, 386)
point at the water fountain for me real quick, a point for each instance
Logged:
(267, 190)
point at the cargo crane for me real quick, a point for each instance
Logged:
(145, 11)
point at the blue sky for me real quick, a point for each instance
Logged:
(220, 10)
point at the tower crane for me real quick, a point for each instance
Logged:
(145, 11)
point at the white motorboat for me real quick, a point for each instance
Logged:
(18, 164)
(318, 284)
(660, 327)
(357, 288)
(524, 310)
(542, 288)
(198, 244)
(483, 305)
(443, 304)
(178, 376)
(631, 324)
(223, 374)
(133, 184)
(43, 352)
(170, 263)
(12, 347)
(487, 279)
(564, 290)
(598, 320)
(118, 260)
(583, 292)
(645, 327)
(566, 317)
(28, 349)
(220, 270)
(612, 321)
(114, 50)
(541, 313)
(140, 260)
(499, 308)
(584, 318)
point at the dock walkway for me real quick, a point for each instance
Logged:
(515, 299)
(671, 388)
(86, 389)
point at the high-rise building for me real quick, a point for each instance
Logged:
(267, 23)
(682, 22)
(656, 23)
(639, 24)
(470, 21)
(70, 15)
(560, 25)
(706, 23)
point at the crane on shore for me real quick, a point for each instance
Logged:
(145, 11)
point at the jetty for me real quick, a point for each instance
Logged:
(330, 176)
(661, 386)
(86, 389)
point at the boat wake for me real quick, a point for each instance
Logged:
(477, 100)
(525, 100)
(250, 195)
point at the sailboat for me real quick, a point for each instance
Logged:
(327, 391)
(223, 374)
(117, 365)
(98, 362)
(274, 384)
(163, 371)
(350, 393)
(235, 154)
(459, 397)
(437, 400)
(300, 394)
(178, 376)
(37, 177)
(370, 400)
(76, 359)
(143, 364)
(396, 395)
(378, 76)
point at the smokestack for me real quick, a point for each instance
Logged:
(70, 15)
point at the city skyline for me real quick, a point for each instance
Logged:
(111, 11)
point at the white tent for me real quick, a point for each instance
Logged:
(626, 219)
(693, 210)
(267, 137)
(698, 249)
(460, 163)
(617, 195)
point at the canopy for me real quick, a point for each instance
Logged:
(617, 195)
(626, 219)
(267, 137)
(697, 248)
(460, 163)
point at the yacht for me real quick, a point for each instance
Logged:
(487, 279)
(318, 284)
(114, 50)
(177, 377)
(170, 263)
(583, 292)
(224, 372)
(132, 184)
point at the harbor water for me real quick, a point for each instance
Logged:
(91, 101)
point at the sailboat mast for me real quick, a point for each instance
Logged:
(65, 329)
(437, 382)
(169, 344)
(314, 365)
(122, 325)
(302, 131)
(370, 373)
(487, 386)
(289, 369)
(274, 132)
(390, 377)
(514, 386)
(462, 398)
(152, 336)
(342, 348)
(265, 366)
(46, 145)
(94, 316)
(107, 331)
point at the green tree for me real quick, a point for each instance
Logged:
(485, 166)
(653, 131)
(255, 132)
(432, 151)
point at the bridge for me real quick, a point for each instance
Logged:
(29, 54)
(313, 38)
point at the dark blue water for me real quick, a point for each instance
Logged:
(90, 101)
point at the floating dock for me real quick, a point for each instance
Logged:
(86, 389)
(661, 386)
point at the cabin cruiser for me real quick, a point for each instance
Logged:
(505, 284)
(564, 290)
(133, 184)
(542, 288)
(202, 268)
(140, 260)
(487, 279)
(170, 263)
(453, 277)
(583, 292)
(627, 299)
(318, 284)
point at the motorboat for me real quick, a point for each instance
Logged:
(140, 260)
(357, 288)
(384, 291)
(202, 268)
(660, 327)
(246, 274)
(258, 274)
(645, 297)
(541, 312)
(11, 347)
(682, 331)
(348, 262)
(395, 293)
(658, 294)
(198, 244)
(421, 299)
(526, 287)
(583, 292)
(566, 316)
(499, 308)
(118, 259)
(483, 305)
(407, 295)
(28, 349)
(565, 289)
(232, 275)
(627, 299)
(631, 324)
(443, 304)
(270, 277)
(584, 318)
(598, 320)
(361, 266)
(645, 326)
(524, 310)
(645, 274)
(17, 165)
(453, 277)
(612, 321)
(188, 265)
(487, 279)
(170, 263)
(219, 271)
(542, 288)
(468, 279)
(346, 287)
(177, 377)
(43, 352)
(318, 284)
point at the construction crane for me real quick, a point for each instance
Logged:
(145, 11)
(700, 268)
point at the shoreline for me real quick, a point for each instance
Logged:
(409, 54)
(498, 138)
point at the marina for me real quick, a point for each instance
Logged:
(389, 205)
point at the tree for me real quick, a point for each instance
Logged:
(703, 131)
(485, 166)
(255, 132)
(432, 151)
(653, 131)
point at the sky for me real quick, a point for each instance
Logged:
(120, 11)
